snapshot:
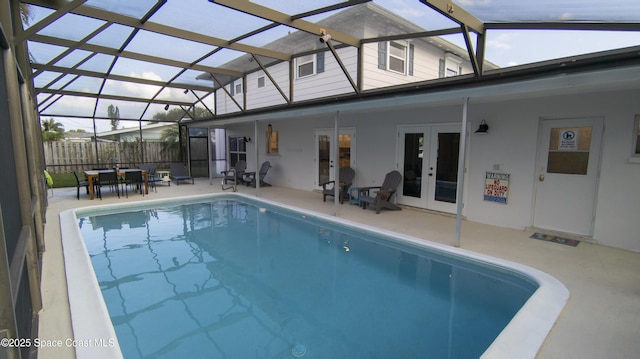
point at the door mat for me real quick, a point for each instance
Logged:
(555, 239)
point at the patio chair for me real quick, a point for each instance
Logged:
(178, 173)
(108, 178)
(384, 194)
(233, 176)
(133, 178)
(250, 177)
(345, 179)
(80, 183)
(152, 177)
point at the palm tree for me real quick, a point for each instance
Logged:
(113, 112)
(52, 130)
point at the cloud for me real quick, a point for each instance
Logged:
(566, 16)
(474, 3)
(501, 42)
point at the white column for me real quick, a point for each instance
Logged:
(461, 162)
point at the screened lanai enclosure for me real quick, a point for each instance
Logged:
(180, 72)
(98, 66)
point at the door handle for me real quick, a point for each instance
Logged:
(541, 177)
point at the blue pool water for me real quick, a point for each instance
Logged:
(225, 279)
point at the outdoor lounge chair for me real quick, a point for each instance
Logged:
(178, 173)
(249, 178)
(233, 176)
(384, 194)
(345, 179)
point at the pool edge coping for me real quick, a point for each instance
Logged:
(523, 336)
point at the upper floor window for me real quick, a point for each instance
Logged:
(451, 65)
(235, 88)
(310, 64)
(260, 81)
(396, 56)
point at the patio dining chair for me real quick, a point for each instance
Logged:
(133, 179)
(108, 178)
(80, 183)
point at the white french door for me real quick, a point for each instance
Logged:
(428, 161)
(567, 175)
(324, 153)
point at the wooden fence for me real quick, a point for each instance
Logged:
(64, 157)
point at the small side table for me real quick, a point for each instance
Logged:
(164, 175)
(354, 195)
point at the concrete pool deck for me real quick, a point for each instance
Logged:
(600, 319)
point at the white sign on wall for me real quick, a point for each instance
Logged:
(568, 140)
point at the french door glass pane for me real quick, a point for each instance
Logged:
(324, 160)
(413, 156)
(447, 167)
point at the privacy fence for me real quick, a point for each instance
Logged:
(63, 157)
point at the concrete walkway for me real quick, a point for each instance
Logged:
(600, 320)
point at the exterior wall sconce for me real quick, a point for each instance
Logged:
(483, 129)
(166, 107)
(246, 139)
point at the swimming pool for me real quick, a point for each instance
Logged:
(239, 296)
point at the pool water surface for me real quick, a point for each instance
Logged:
(234, 278)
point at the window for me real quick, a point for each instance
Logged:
(310, 64)
(394, 56)
(237, 150)
(260, 81)
(569, 149)
(272, 140)
(397, 57)
(238, 88)
(452, 64)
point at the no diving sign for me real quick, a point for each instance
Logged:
(568, 140)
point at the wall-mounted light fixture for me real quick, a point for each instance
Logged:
(483, 129)
(324, 37)
(186, 91)
(166, 107)
(246, 139)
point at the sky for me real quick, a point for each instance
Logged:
(503, 48)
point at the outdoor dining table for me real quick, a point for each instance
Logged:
(93, 175)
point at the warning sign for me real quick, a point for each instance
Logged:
(496, 187)
(568, 140)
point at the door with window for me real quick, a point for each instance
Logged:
(567, 175)
(198, 152)
(428, 160)
(324, 153)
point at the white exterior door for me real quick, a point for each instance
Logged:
(567, 175)
(324, 153)
(428, 161)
